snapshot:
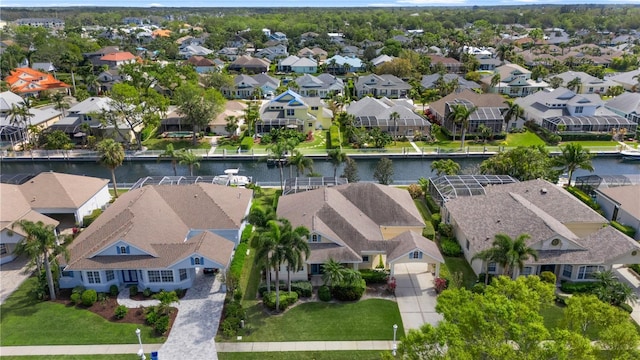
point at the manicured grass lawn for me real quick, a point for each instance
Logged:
(303, 355)
(318, 142)
(370, 319)
(523, 139)
(77, 357)
(587, 144)
(161, 144)
(460, 264)
(25, 321)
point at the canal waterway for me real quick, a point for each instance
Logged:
(406, 170)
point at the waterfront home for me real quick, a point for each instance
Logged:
(386, 85)
(515, 81)
(585, 83)
(157, 236)
(488, 111)
(50, 197)
(626, 105)
(14, 130)
(621, 204)
(292, 111)
(630, 80)
(360, 225)
(29, 82)
(572, 240)
(372, 113)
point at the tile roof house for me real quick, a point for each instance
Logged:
(515, 81)
(621, 204)
(323, 86)
(298, 65)
(588, 84)
(376, 113)
(29, 82)
(450, 65)
(156, 236)
(290, 110)
(117, 59)
(202, 64)
(315, 53)
(564, 110)
(572, 240)
(247, 87)
(386, 85)
(249, 64)
(361, 225)
(489, 108)
(48, 197)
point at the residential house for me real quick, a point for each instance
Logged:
(249, 87)
(382, 59)
(292, 111)
(432, 81)
(29, 82)
(308, 37)
(626, 105)
(338, 64)
(272, 52)
(232, 108)
(450, 65)
(372, 113)
(202, 64)
(229, 53)
(563, 110)
(15, 130)
(324, 85)
(49, 23)
(110, 77)
(248, 64)
(157, 236)
(316, 53)
(515, 81)
(48, 197)
(385, 85)
(489, 109)
(488, 62)
(571, 239)
(194, 50)
(278, 36)
(630, 80)
(117, 59)
(587, 84)
(360, 225)
(298, 65)
(621, 204)
(44, 67)
(351, 51)
(94, 57)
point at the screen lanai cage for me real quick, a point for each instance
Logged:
(590, 183)
(448, 187)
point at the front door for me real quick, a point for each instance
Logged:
(547, 267)
(129, 276)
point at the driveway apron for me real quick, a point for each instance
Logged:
(416, 296)
(12, 275)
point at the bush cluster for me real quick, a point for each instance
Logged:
(89, 297)
(160, 322)
(87, 220)
(349, 292)
(324, 293)
(431, 204)
(429, 232)
(570, 287)
(133, 290)
(374, 276)
(286, 299)
(415, 191)
(113, 290)
(546, 135)
(548, 277)
(436, 219)
(450, 247)
(121, 311)
(303, 288)
(446, 230)
(582, 196)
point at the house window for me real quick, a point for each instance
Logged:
(579, 109)
(3, 249)
(315, 238)
(196, 261)
(154, 276)
(166, 275)
(93, 277)
(309, 124)
(67, 274)
(526, 270)
(123, 250)
(590, 89)
(491, 267)
(365, 258)
(567, 270)
(291, 112)
(314, 108)
(110, 275)
(467, 244)
(588, 271)
(416, 255)
(183, 274)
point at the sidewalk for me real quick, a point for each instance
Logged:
(76, 349)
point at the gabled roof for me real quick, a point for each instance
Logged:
(478, 100)
(410, 241)
(15, 207)
(27, 80)
(50, 190)
(118, 56)
(627, 103)
(197, 60)
(429, 81)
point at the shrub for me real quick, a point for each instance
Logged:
(436, 219)
(415, 191)
(303, 288)
(324, 294)
(230, 326)
(234, 309)
(635, 267)
(237, 295)
(89, 297)
(180, 292)
(147, 292)
(445, 230)
(440, 284)
(286, 299)
(113, 290)
(78, 290)
(548, 277)
(102, 296)
(431, 204)
(121, 311)
(374, 276)
(76, 298)
(162, 324)
(246, 143)
(334, 137)
(133, 290)
(429, 232)
(351, 292)
(87, 220)
(578, 287)
(478, 288)
(627, 230)
(626, 307)
(238, 260)
(151, 315)
(450, 247)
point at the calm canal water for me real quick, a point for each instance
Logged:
(406, 170)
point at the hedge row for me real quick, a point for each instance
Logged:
(627, 230)
(585, 198)
(374, 276)
(586, 137)
(450, 247)
(578, 287)
(241, 253)
(546, 135)
(333, 138)
(286, 299)
(349, 292)
(302, 287)
(246, 143)
(87, 220)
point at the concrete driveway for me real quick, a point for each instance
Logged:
(625, 276)
(416, 296)
(12, 275)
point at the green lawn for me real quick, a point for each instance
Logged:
(370, 319)
(523, 139)
(77, 357)
(161, 144)
(460, 264)
(25, 321)
(553, 315)
(303, 355)
(587, 144)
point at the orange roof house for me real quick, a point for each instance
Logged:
(27, 81)
(116, 59)
(161, 33)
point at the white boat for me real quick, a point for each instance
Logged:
(231, 178)
(630, 154)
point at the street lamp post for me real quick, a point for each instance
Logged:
(141, 351)
(394, 349)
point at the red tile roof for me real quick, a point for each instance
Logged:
(27, 80)
(118, 56)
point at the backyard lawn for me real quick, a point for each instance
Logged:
(460, 264)
(523, 139)
(154, 143)
(25, 321)
(303, 355)
(370, 319)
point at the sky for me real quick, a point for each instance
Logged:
(294, 3)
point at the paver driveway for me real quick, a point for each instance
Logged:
(416, 295)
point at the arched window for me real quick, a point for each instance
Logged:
(196, 261)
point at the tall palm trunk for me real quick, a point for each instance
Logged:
(289, 278)
(280, 165)
(268, 276)
(464, 134)
(277, 287)
(47, 269)
(113, 180)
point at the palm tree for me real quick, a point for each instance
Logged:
(297, 247)
(504, 51)
(513, 111)
(277, 151)
(445, 167)
(508, 253)
(461, 114)
(272, 250)
(93, 83)
(575, 84)
(573, 157)
(495, 80)
(60, 102)
(337, 157)
(187, 157)
(300, 162)
(394, 116)
(170, 153)
(41, 246)
(111, 155)
(332, 273)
